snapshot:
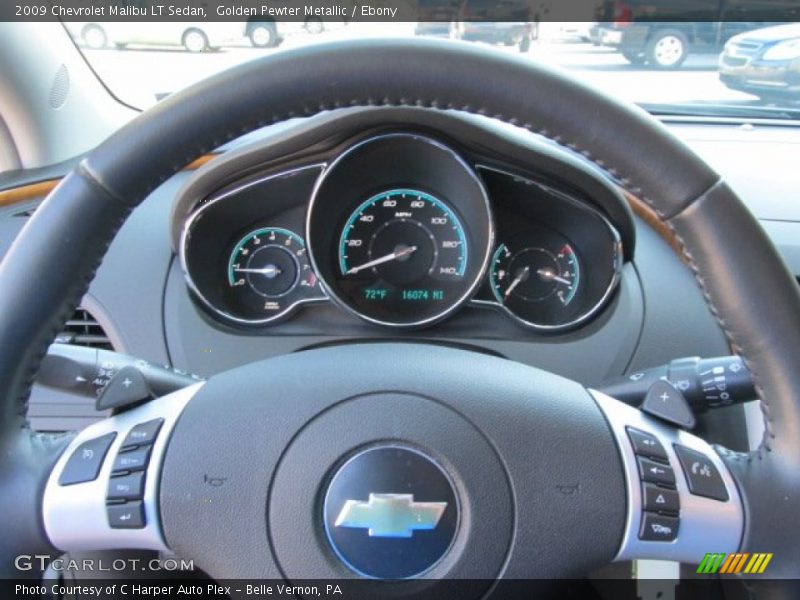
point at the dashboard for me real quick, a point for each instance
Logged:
(537, 194)
(402, 227)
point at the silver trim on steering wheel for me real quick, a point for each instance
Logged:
(705, 525)
(75, 516)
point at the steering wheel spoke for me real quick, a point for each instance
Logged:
(682, 501)
(103, 491)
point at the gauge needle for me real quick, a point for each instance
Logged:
(548, 275)
(522, 276)
(270, 271)
(403, 251)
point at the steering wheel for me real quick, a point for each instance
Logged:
(399, 460)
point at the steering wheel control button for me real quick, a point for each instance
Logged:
(655, 472)
(86, 461)
(660, 499)
(390, 513)
(129, 515)
(126, 487)
(144, 433)
(666, 402)
(702, 476)
(645, 444)
(132, 460)
(658, 528)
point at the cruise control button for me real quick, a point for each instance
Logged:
(134, 460)
(143, 433)
(655, 472)
(660, 499)
(658, 528)
(86, 460)
(702, 476)
(126, 516)
(646, 444)
(126, 487)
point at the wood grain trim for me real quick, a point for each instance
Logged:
(199, 162)
(646, 214)
(42, 188)
(27, 192)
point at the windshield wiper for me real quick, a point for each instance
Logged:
(733, 111)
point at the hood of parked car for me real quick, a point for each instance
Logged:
(777, 33)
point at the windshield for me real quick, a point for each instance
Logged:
(729, 69)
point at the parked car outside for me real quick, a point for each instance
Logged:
(571, 31)
(765, 62)
(665, 44)
(193, 36)
(504, 33)
(662, 33)
(437, 18)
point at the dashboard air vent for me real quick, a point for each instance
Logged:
(82, 329)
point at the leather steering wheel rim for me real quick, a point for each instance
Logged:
(734, 262)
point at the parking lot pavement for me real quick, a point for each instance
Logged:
(141, 75)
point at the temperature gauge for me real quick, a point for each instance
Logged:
(537, 278)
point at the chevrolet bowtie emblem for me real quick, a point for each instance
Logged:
(390, 515)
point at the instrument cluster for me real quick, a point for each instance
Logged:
(400, 230)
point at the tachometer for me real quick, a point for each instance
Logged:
(268, 273)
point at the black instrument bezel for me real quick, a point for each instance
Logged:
(381, 163)
(316, 143)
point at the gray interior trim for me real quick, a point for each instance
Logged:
(44, 134)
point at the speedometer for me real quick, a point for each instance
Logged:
(404, 252)
(399, 230)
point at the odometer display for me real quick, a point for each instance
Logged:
(403, 255)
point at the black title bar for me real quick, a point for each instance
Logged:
(620, 11)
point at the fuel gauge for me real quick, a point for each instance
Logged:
(537, 278)
(535, 274)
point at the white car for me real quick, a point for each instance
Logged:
(571, 31)
(194, 36)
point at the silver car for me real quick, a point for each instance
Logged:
(193, 36)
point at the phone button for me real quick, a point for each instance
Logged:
(702, 476)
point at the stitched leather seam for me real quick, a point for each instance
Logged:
(735, 347)
(89, 176)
